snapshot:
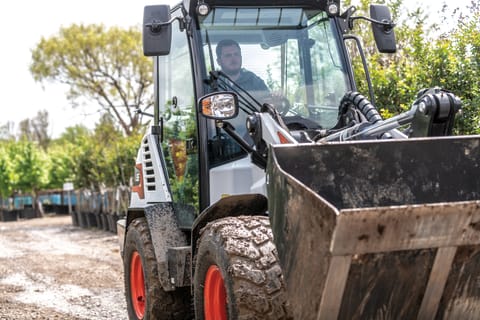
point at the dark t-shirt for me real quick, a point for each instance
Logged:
(254, 85)
(251, 82)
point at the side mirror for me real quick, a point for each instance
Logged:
(219, 105)
(383, 33)
(157, 30)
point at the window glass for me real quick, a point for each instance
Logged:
(177, 109)
(296, 52)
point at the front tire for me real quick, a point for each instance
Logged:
(237, 273)
(145, 296)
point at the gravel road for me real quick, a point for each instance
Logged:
(50, 269)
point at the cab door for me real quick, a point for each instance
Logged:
(179, 134)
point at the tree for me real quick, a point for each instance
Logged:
(104, 157)
(5, 171)
(117, 153)
(425, 58)
(73, 135)
(25, 130)
(6, 131)
(40, 125)
(36, 129)
(84, 155)
(28, 168)
(60, 166)
(103, 65)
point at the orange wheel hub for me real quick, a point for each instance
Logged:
(214, 295)
(137, 285)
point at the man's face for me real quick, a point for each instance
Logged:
(230, 60)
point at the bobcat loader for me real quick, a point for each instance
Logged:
(301, 202)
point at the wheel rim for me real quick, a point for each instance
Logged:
(215, 296)
(137, 285)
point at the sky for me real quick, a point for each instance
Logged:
(24, 23)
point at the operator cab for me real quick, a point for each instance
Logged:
(295, 51)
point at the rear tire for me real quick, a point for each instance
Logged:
(237, 274)
(145, 296)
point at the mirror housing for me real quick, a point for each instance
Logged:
(157, 30)
(383, 34)
(219, 105)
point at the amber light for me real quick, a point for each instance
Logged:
(206, 107)
(282, 138)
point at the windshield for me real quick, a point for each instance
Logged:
(290, 53)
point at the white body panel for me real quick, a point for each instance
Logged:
(236, 177)
(154, 181)
(271, 129)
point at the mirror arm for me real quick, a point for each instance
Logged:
(347, 20)
(387, 25)
(143, 113)
(257, 158)
(156, 26)
(227, 126)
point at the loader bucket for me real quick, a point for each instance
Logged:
(378, 229)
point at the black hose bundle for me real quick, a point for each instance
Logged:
(361, 103)
(355, 109)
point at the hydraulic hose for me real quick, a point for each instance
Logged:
(361, 103)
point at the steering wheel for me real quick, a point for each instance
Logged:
(280, 102)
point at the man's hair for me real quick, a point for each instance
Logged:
(225, 43)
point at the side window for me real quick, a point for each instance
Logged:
(221, 147)
(177, 108)
(330, 81)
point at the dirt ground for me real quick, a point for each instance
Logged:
(50, 269)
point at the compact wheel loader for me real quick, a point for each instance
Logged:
(296, 200)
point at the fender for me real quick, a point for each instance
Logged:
(231, 206)
(167, 239)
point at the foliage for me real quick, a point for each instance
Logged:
(59, 167)
(102, 158)
(28, 172)
(5, 171)
(182, 165)
(424, 59)
(106, 66)
(98, 64)
(98, 159)
(115, 153)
